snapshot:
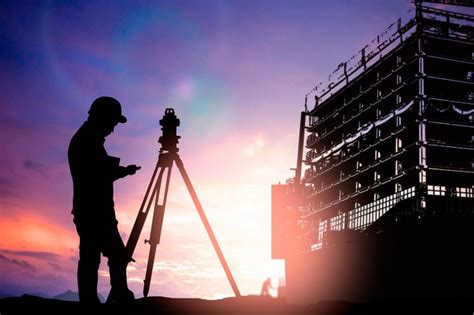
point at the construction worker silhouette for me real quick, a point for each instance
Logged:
(93, 172)
(266, 286)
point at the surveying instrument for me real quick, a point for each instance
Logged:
(167, 157)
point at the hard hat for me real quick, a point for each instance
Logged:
(106, 106)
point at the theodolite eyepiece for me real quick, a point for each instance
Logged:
(169, 140)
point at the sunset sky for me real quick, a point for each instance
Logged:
(236, 73)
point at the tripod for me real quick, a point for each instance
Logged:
(167, 157)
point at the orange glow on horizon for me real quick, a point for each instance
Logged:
(36, 233)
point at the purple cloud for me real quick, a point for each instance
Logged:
(33, 254)
(37, 167)
(19, 263)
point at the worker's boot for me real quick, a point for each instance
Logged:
(121, 296)
(118, 281)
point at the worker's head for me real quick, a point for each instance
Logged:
(106, 113)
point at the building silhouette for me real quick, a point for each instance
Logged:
(384, 209)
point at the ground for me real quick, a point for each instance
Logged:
(28, 304)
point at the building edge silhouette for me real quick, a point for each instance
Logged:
(384, 210)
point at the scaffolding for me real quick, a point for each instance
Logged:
(391, 135)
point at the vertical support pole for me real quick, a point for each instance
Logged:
(363, 59)
(215, 244)
(418, 13)
(345, 72)
(399, 29)
(421, 95)
(299, 158)
(421, 143)
(421, 79)
(296, 189)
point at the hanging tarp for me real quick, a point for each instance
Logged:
(325, 154)
(440, 110)
(401, 110)
(463, 112)
(383, 120)
(352, 138)
(316, 159)
(365, 129)
(337, 147)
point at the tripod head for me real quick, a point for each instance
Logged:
(169, 140)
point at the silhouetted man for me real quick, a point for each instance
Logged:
(93, 173)
(266, 286)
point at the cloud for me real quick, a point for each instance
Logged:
(36, 166)
(37, 237)
(7, 194)
(4, 181)
(20, 263)
(33, 254)
(55, 266)
(38, 272)
(7, 190)
(256, 146)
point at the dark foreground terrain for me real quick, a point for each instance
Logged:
(28, 304)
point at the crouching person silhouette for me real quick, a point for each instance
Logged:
(93, 172)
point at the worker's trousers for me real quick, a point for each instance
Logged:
(97, 239)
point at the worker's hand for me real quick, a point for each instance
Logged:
(132, 169)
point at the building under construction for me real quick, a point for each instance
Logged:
(384, 209)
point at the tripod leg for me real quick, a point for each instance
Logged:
(197, 203)
(149, 269)
(156, 227)
(140, 221)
